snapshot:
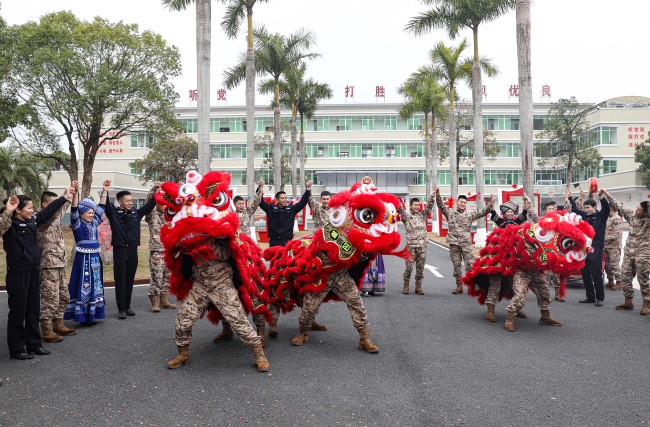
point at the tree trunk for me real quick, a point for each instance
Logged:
(294, 150)
(525, 94)
(569, 170)
(87, 179)
(453, 157)
(203, 30)
(427, 156)
(477, 98)
(277, 143)
(303, 154)
(73, 170)
(434, 152)
(250, 108)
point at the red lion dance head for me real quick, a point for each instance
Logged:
(559, 243)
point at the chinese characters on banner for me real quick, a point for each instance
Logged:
(193, 93)
(636, 136)
(349, 92)
(380, 92)
(221, 95)
(546, 91)
(513, 91)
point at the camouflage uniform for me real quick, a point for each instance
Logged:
(321, 215)
(417, 241)
(159, 273)
(247, 213)
(342, 285)
(612, 250)
(213, 282)
(552, 279)
(55, 295)
(636, 255)
(459, 237)
(521, 281)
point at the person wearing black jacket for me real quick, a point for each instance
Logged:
(18, 228)
(592, 272)
(281, 216)
(125, 227)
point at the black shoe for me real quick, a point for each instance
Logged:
(587, 301)
(122, 315)
(21, 356)
(599, 303)
(40, 351)
(130, 312)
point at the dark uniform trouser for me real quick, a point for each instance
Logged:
(278, 242)
(592, 275)
(125, 259)
(23, 333)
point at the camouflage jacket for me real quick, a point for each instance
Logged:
(247, 213)
(459, 223)
(614, 232)
(155, 220)
(637, 241)
(50, 239)
(321, 214)
(416, 225)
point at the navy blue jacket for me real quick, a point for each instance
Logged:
(597, 220)
(280, 220)
(125, 225)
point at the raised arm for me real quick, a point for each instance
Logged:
(486, 210)
(625, 213)
(529, 213)
(303, 200)
(495, 218)
(257, 197)
(604, 206)
(105, 200)
(429, 207)
(46, 213)
(7, 212)
(441, 205)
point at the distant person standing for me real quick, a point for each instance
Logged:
(159, 283)
(612, 250)
(125, 226)
(244, 213)
(321, 211)
(417, 240)
(54, 286)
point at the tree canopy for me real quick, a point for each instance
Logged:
(170, 158)
(89, 82)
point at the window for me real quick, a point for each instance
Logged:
(502, 177)
(320, 152)
(539, 122)
(466, 177)
(344, 154)
(366, 151)
(390, 151)
(414, 123)
(142, 139)
(508, 149)
(390, 123)
(134, 169)
(514, 123)
(190, 125)
(444, 177)
(609, 166)
(367, 123)
(345, 123)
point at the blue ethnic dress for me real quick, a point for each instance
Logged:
(86, 280)
(374, 279)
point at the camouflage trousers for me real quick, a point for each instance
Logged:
(55, 295)
(459, 254)
(612, 264)
(419, 258)
(521, 281)
(342, 285)
(639, 266)
(213, 284)
(493, 291)
(159, 283)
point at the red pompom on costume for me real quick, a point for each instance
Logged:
(362, 224)
(559, 243)
(197, 213)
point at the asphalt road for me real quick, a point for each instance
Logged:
(440, 364)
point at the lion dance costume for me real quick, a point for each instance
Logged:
(214, 268)
(559, 242)
(329, 264)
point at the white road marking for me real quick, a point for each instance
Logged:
(433, 269)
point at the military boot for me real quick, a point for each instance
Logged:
(510, 323)
(273, 328)
(546, 319)
(364, 341)
(260, 359)
(646, 308)
(261, 332)
(616, 286)
(301, 338)
(155, 303)
(48, 334)
(627, 305)
(522, 314)
(183, 357)
(609, 284)
(459, 287)
(558, 297)
(225, 335)
(418, 288)
(405, 289)
(164, 302)
(489, 315)
(61, 329)
(316, 326)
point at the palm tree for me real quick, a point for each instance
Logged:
(525, 94)
(20, 173)
(275, 55)
(311, 94)
(425, 95)
(203, 46)
(453, 15)
(235, 13)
